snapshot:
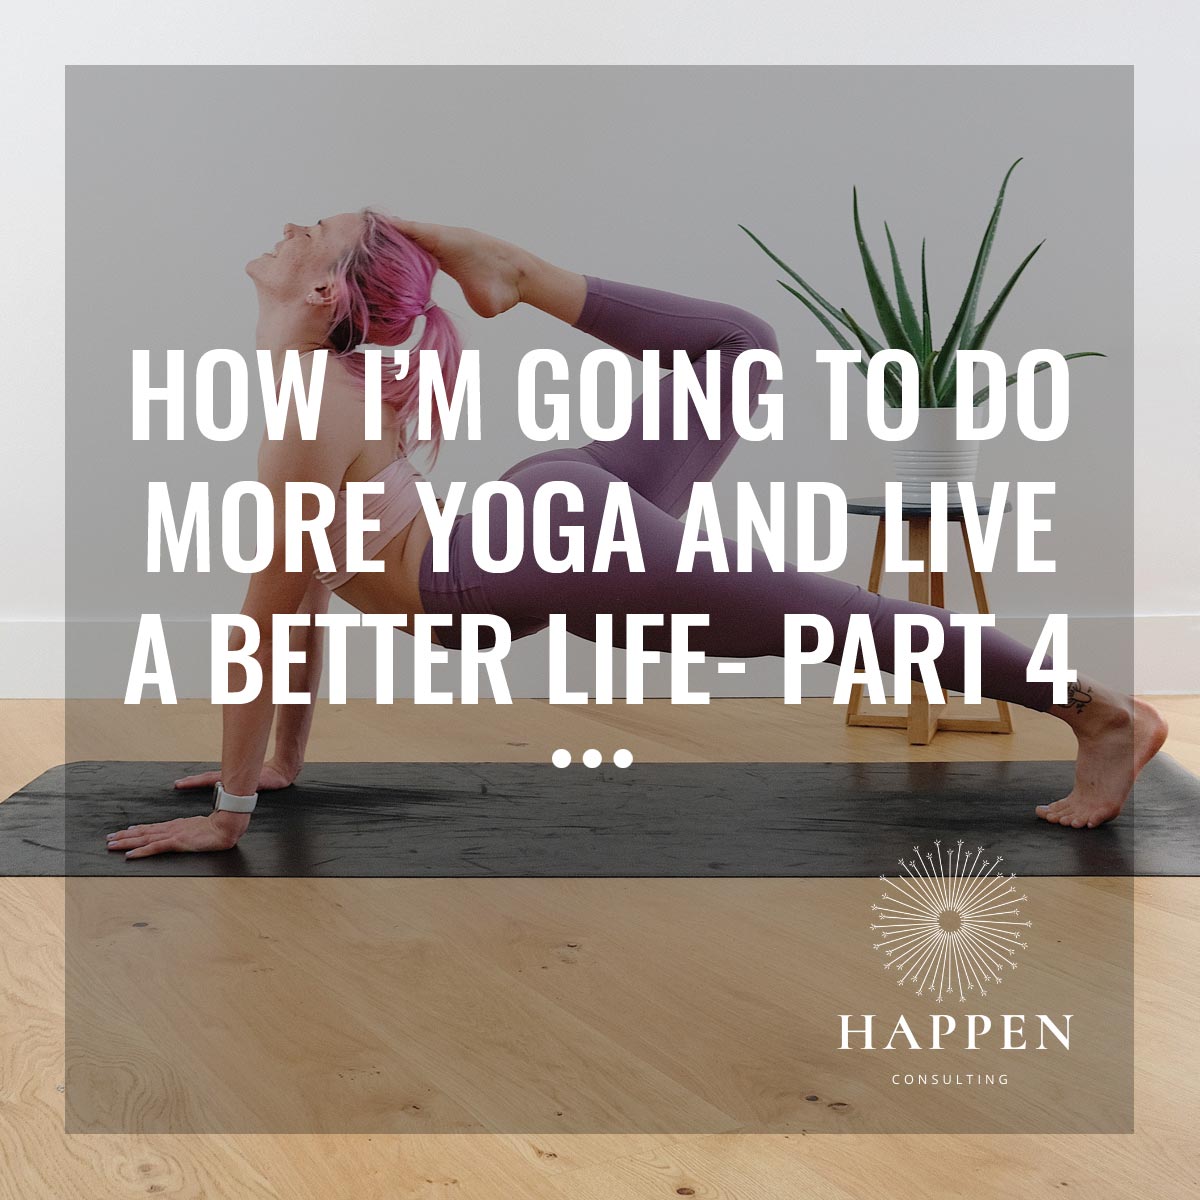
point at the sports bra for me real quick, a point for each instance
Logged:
(393, 508)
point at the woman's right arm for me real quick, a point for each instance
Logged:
(276, 589)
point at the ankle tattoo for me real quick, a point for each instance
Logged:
(1078, 697)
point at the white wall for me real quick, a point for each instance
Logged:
(1158, 38)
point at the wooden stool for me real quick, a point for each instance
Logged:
(923, 719)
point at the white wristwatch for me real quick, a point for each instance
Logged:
(227, 802)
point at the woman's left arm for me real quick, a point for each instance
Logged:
(293, 722)
(246, 728)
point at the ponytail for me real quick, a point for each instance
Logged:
(381, 288)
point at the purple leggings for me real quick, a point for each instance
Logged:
(745, 608)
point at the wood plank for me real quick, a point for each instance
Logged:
(39, 1159)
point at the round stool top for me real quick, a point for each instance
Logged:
(873, 506)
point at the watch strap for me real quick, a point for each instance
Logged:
(224, 801)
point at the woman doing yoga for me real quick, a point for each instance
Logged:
(360, 278)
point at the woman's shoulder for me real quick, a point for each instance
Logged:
(337, 437)
(341, 395)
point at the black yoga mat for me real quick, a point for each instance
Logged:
(710, 820)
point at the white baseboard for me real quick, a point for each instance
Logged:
(32, 659)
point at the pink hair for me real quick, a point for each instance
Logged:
(381, 288)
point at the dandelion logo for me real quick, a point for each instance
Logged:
(951, 924)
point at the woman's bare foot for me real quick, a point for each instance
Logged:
(495, 276)
(1118, 736)
(488, 270)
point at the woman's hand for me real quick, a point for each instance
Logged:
(217, 830)
(488, 270)
(214, 831)
(273, 775)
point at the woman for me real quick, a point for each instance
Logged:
(363, 277)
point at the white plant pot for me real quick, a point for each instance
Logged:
(934, 452)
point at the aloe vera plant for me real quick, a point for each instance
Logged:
(899, 324)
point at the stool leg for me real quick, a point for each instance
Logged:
(877, 559)
(1004, 717)
(856, 691)
(922, 716)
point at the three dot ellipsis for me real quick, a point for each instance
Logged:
(592, 758)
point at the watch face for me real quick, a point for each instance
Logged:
(216, 794)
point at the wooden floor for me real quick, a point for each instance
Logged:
(546, 947)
